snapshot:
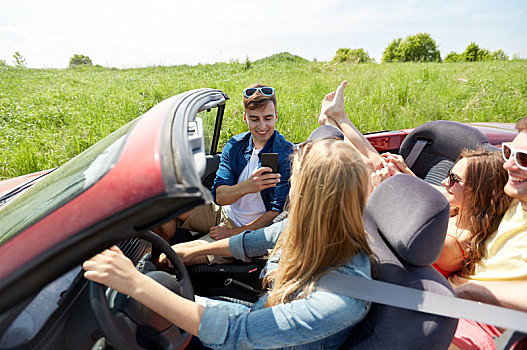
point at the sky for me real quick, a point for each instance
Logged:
(133, 33)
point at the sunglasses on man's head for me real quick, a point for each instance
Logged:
(264, 90)
(452, 178)
(520, 157)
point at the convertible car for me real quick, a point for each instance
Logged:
(142, 175)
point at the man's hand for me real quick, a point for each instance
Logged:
(220, 232)
(259, 181)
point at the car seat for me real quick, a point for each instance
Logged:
(407, 220)
(431, 149)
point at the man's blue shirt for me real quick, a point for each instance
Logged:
(235, 157)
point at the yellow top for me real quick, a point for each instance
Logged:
(506, 251)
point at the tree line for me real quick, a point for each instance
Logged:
(414, 48)
(419, 48)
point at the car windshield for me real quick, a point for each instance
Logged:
(62, 185)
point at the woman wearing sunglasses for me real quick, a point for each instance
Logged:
(474, 187)
(323, 232)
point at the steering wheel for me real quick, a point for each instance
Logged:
(130, 325)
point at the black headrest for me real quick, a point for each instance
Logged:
(412, 216)
(446, 138)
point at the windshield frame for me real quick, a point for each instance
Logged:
(53, 259)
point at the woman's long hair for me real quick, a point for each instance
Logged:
(329, 190)
(484, 201)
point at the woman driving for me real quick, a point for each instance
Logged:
(324, 232)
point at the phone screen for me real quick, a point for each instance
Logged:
(270, 160)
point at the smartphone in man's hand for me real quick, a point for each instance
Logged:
(270, 160)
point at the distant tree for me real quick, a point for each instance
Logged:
(419, 48)
(354, 56)
(80, 60)
(499, 55)
(453, 57)
(19, 60)
(391, 53)
(414, 48)
(247, 65)
(474, 53)
(3, 63)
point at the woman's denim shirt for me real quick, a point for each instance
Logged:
(235, 157)
(320, 321)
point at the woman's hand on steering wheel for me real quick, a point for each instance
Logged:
(113, 269)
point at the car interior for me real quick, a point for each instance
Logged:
(406, 220)
(405, 248)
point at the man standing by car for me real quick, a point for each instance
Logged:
(246, 196)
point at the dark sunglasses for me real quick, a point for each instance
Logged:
(520, 157)
(452, 178)
(264, 90)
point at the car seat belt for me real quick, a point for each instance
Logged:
(507, 339)
(423, 301)
(415, 152)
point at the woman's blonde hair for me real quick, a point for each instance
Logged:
(329, 190)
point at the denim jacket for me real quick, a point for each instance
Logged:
(235, 157)
(320, 321)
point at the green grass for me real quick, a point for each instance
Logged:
(48, 116)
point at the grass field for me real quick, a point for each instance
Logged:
(47, 116)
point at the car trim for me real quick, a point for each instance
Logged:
(23, 187)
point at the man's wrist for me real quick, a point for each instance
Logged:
(236, 230)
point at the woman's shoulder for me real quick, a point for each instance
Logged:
(359, 265)
(456, 234)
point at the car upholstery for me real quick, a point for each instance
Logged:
(407, 221)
